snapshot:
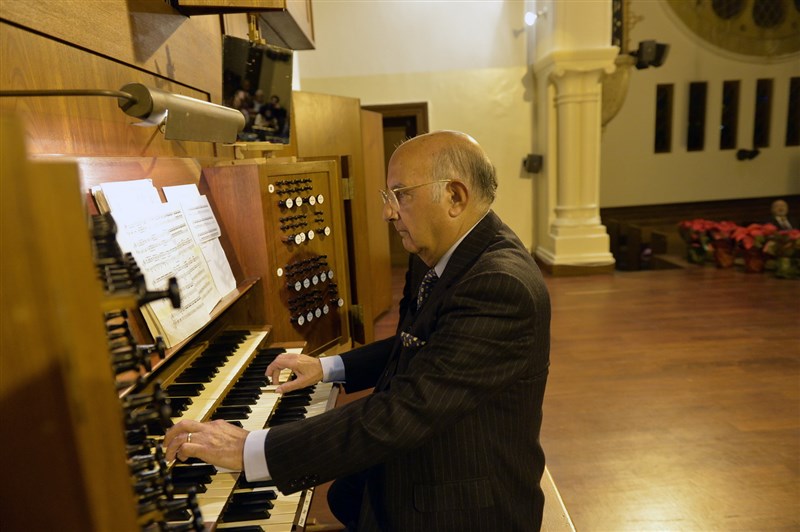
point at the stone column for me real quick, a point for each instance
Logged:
(576, 242)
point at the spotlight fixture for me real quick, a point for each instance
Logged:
(650, 54)
(184, 118)
(747, 155)
(530, 16)
(533, 163)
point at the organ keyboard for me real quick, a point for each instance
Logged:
(94, 381)
(226, 379)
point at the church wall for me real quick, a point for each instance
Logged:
(632, 174)
(466, 59)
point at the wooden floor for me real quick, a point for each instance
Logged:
(673, 401)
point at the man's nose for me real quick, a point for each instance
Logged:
(389, 214)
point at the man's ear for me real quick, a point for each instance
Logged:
(458, 196)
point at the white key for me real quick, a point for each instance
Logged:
(200, 408)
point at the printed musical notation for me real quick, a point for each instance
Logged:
(179, 238)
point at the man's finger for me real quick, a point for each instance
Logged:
(288, 386)
(275, 377)
(177, 435)
(280, 363)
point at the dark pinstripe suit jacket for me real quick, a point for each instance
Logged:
(450, 436)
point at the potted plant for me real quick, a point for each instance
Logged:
(750, 241)
(784, 248)
(695, 234)
(721, 236)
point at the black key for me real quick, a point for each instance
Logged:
(244, 516)
(244, 484)
(185, 390)
(184, 489)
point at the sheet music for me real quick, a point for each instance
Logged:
(218, 265)
(160, 239)
(206, 232)
(162, 244)
(122, 195)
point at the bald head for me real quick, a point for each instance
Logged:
(454, 155)
(780, 208)
(439, 186)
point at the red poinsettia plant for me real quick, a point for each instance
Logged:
(754, 236)
(695, 230)
(783, 243)
(723, 231)
(695, 234)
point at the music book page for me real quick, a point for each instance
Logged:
(206, 232)
(161, 240)
(163, 246)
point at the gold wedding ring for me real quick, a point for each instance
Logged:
(189, 438)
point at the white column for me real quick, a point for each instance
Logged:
(575, 236)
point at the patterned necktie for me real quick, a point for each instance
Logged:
(425, 288)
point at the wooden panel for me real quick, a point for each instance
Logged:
(378, 233)
(742, 211)
(245, 192)
(236, 25)
(400, 122)
(231, 5)
(57, 393)
(301, 300)
(80, 125)
(147, 34)
(163, 171)
(286, 23)
(234, 195)
(292, 26)
(328, 125)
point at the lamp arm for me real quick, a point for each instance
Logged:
(70, 92)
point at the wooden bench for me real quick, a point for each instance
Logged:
(556, 517)
(647, 237)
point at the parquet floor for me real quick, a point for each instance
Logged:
(673, 401)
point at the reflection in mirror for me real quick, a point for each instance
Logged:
(257, 80)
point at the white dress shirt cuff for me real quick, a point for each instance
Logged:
(255, 456)
(332, 369)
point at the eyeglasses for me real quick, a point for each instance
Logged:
(390, 194)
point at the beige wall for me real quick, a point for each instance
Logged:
(466, 59)
(631, 174)
(486, 103)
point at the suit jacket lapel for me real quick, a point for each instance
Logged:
(462, 258)
(468, 252)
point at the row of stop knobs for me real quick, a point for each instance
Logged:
(314, 304)
(297, 201)
(305, 236)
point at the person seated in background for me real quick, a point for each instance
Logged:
(259, 100)
(280, 114)
(243, 100)
(265, 120)
(780, 215)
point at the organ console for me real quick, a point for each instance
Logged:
(88, 390)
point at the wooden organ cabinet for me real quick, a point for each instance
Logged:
(306, 282)
(87, 391)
